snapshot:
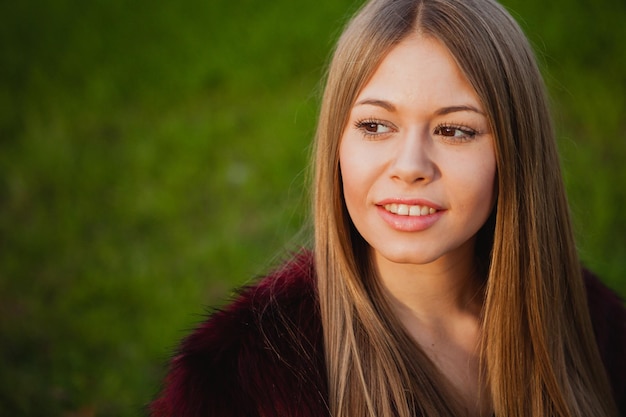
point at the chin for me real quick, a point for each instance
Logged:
(413, 257)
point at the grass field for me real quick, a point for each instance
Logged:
(154, 156)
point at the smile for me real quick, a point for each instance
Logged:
(409, 210)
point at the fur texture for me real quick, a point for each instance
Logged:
(263, 354)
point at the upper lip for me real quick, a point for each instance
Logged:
(409, 202)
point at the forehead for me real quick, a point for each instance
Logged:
(419, 69)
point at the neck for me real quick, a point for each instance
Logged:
(433, 293)
(439, 305)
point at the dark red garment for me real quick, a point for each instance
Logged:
(263, 354)
(260, 356)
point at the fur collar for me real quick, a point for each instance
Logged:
(262, 355)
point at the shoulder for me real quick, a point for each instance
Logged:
(608, 316)
(260, 355)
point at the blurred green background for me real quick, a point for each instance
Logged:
(154, 155)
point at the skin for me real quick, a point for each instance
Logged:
(418, 137)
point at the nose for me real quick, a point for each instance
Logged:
(413, 161)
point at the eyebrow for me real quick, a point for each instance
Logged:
(440, 112)
(379, 103)
(454, 109)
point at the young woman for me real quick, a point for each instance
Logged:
(444, 279)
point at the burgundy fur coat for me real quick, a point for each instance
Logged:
(263, 354)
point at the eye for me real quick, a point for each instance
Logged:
(455, 132)
(371, 127)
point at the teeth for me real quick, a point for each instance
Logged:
(407, 210)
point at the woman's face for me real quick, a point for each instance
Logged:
(417, 157)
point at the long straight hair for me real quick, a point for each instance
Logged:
(537, 343)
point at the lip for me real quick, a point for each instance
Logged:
(409, 223)
(410, 202)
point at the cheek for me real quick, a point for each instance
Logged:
(469, 178)
(357, 175)
(480, 179)
(489, 171)
(350, 174)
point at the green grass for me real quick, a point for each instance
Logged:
(154, 156)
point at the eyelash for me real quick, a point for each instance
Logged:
(363, 124)
(467, 132)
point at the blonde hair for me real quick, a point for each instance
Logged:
(538, 346)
